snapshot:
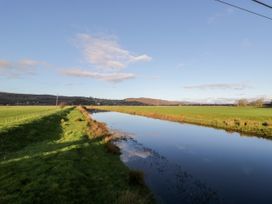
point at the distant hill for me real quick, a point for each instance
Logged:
(155, 102)
(160, 102)
(34, 99)
(45, 99)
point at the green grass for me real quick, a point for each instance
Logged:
(11, 116)
(248, 120)
(55, 159)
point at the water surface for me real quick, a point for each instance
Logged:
(186, 163)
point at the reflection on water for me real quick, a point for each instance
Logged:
(185, 163)
(174, 184)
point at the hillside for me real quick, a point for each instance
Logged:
(152, 101)
(33, 99)
(45, 99)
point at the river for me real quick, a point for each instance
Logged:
(185, 163)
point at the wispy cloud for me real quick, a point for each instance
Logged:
(18, 68)
(214, 100)
(220, 86)
(29, 62)
(107, 53)
(107, 57)
(229, 100)
(111, 77)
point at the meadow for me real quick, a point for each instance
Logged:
(11, 116)
(248, 120)
(54, 155)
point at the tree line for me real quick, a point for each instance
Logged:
(260, 102)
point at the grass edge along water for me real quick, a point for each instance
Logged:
(66, 162)
(246, 120)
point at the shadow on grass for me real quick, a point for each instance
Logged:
(71, 172)
(48, 127)
(47, 169)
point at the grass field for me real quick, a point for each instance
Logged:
(54, 158)
(11, 116)
(249, 120)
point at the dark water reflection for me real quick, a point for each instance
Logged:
(192, 164)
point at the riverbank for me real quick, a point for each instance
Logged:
(63, 158)
(186, 163)
(246, 120)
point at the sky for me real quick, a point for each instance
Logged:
(194, 50)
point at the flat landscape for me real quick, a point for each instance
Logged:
(51, 155)
(61, 154)
(135, 102)
(12, 116)
(249, 120)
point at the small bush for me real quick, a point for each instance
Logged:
(112, 148)
(136, 177)
(237, 122)
(232, 122)
(266, 123)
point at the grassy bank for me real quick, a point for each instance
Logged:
(60, 158)
(248, 120)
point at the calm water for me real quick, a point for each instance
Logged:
(192, 164)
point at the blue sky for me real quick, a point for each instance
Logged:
(178, 50)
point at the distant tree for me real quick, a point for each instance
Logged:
(242, 102)
(258, 103)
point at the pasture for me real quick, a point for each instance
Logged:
(248, 120)
(50, 155)
(11, 116)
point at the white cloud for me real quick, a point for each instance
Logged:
(108, 58)
(229, 100)
(19, 68)
(29, 62)
(233, 86)
(213, 100)
(111, 77)
(107, 53)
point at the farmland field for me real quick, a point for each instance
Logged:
(249, 120)
(11, 116)
(49, 155)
